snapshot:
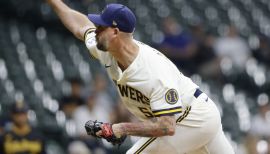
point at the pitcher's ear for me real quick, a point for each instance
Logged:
(116, 31)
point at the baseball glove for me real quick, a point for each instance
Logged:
(92, 127)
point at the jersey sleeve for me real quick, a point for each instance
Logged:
(165, 101)
(90, 42)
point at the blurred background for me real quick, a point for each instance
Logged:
(49, 86)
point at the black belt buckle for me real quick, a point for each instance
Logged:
(197, 93)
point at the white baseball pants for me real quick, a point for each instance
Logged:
(200, 132)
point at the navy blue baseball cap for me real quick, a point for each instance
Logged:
(115, 15)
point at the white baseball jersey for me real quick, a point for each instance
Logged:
(151, 86)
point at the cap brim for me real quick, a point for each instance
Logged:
(97, 20)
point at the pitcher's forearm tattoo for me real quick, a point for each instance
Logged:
(154, 127)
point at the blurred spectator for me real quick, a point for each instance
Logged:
(97, 106)
(261, 121)
(68, 105)
(205, 58)
(178, 45)
(76, 89)
(234, 47)
(86, 112)
(262, 53)
(259, 132)
(89, 111)
(21, 138)
(100, 85)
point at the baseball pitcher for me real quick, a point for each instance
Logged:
(176, 116)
